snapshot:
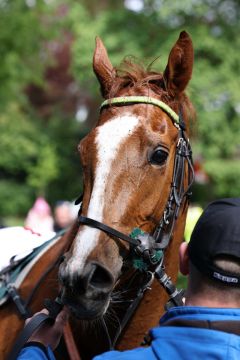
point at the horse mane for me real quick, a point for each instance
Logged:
(135, 77)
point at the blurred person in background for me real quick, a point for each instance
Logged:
(63, 215)
(39, 218)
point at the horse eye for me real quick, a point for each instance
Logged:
(158, 157)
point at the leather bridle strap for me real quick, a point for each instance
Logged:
(146, 284)
(164, 230)
(108, 230)
(29, 329)
(54, 307)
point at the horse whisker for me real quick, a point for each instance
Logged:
(121, 301)
(107, 333)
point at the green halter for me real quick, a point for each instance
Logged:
(146, 100)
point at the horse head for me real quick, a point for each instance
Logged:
(128, 163)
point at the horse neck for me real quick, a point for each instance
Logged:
(151, 307)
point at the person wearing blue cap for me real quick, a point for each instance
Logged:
(208, 326)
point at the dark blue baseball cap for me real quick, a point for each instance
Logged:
(217, 232)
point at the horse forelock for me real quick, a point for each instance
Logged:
(135, 75)
(140, 80)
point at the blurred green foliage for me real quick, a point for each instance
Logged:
(22, 35)
(181, 281)
(214, 89)
(224, 175)
(39, 151)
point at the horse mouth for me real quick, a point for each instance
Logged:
(85, 308)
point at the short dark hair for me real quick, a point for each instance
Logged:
(201, 285)
(217, 236)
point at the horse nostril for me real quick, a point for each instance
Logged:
(95, 278)
(62, 258)
(100, 278)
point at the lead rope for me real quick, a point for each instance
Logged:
(70, 343)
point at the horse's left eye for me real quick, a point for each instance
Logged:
(158, 157)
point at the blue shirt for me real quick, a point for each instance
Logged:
(178, 343)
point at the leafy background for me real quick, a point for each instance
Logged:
(49, 97)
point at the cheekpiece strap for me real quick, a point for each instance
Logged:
(124, 100)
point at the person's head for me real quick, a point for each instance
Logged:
(41, 207)
(63, 215)
(212, 257)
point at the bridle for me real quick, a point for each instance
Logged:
(149, 249)
(144, 244)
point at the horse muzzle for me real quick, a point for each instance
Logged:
(87, 294)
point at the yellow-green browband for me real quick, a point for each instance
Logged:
(145, 100)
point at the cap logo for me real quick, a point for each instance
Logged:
(224, 278)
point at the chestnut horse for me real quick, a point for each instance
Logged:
(129, 163)
(137, 171)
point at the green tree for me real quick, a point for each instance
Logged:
(38, 128)
(29, 160)
(149, 33)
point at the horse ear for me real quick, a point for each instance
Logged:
(103, 67)
(180, 63)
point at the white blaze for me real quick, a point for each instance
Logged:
(109, 138)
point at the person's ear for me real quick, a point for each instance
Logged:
(184, 258)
